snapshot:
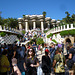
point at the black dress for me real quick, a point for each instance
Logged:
(46, 64)
(31, 70)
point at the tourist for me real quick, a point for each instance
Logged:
(16, 70)
(71, 54)
(59, 63)
(52, 51)
(4, 63)
(46, 63)
(31, 63)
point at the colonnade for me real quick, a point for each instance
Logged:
(34, 25)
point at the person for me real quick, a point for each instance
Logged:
(34, 46)
(15, 67)
(59, 63)
(46, 63)
(52, 51)
(4, 64)
(31, 62)
(71, 54)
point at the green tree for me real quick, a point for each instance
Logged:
(24, 20)
(39, 41)
(12, 22)
(1, 21)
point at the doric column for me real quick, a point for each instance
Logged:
(42, 26)
(20, 26)
(48, 25)
(26, 25)
(34, 23)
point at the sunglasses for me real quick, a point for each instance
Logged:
(30, 50)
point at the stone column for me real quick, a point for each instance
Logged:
(20, 26)
(48, 26)
(34, 23)
(26, 25)
(42, 25)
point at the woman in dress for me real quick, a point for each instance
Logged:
(30, 63)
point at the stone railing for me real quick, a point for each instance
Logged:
(10, 30)
(61, 28)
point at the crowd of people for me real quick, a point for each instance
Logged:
(53, 62)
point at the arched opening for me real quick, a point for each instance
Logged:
(68, 40)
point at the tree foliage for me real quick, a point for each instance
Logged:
(2, 34)
(54, 41)
(68, 19)
(50, 35)
(39, 41)
(10, 22)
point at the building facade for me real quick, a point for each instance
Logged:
(30, 22)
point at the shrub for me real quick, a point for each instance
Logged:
(23, 31)
(46, 31)
(50, 35)
(54, 41)
(2, 34)
(39, 41)
(67, 32)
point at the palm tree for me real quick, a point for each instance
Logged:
(24, 19)
(67, 19)
(0, 13)
(44, 15)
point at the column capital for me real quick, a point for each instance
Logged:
(41, 20)
(26, 20)
(19, 22)
(33, 20)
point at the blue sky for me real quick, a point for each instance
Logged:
(54, 8)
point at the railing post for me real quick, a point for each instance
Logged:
(71, 26)
(4, 28)
(61, 27)
(0, 27)
(56, 28)
(64, 27)
(67, 26)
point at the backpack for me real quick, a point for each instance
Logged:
(59, 68)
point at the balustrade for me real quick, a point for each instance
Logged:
(9, 29)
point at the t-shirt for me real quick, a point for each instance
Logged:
(29, 61)
(72, 51)
(46, 64)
